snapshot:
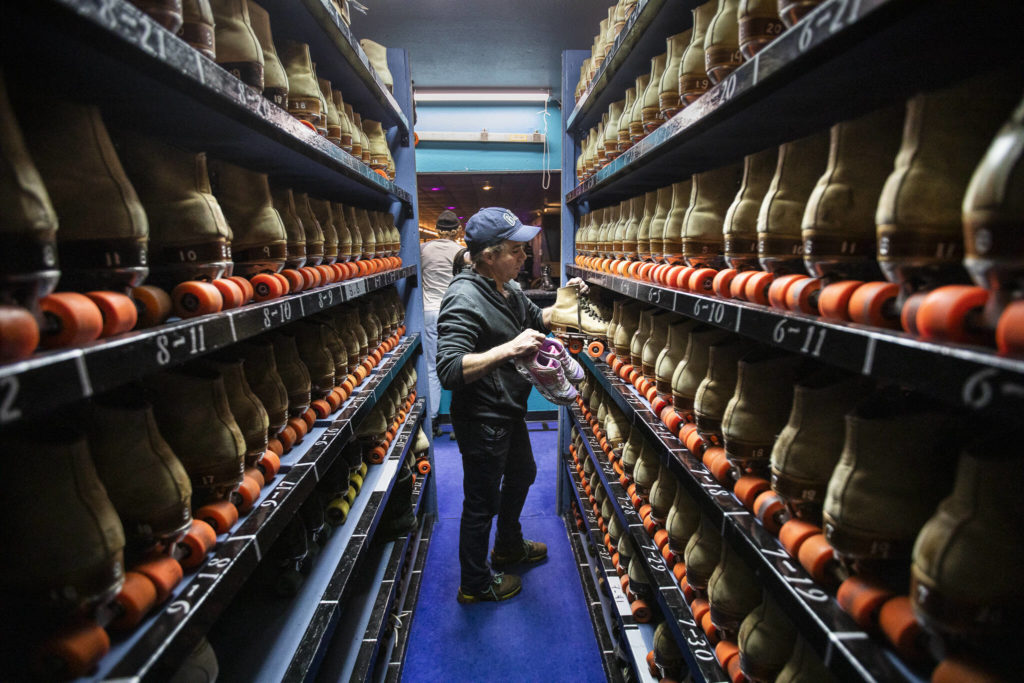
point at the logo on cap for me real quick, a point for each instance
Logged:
(509, 218)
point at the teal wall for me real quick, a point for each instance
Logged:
(446, 157)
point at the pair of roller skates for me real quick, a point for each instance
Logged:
(579, 321)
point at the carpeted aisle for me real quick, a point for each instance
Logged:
(542, 634)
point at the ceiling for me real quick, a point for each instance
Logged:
(520, 192)
(483, 43)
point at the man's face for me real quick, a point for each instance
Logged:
(507, 264)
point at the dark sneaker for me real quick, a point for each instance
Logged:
(503, 587)
(530, 552)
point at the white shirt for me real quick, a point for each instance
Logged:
(436, 258)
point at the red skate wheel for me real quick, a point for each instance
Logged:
(683, 277)
(817, 557)
(221, 515)
(78, 649)
(137, 596)
(266, 287)
(900, 626)
(724, 277)
(946, 312)
(726, 651)
(230, 293)
(296, 283)
(779, 288)
(769, 507)
(118, 311)
(340, 272)
(245, 286)
(312, 276)
(756, 287)
(908, 314)
(1010, 330)
(861, 599)
(802, 295)
(874, 303)
(248, 493)
(701, 280)
(793, 534)
(641, 612)
(75, 318)
(309, 417)
(19, 334)
(423, 466)
(195, 298)
(321, 408)
(595, 349)
(748, 488)
(269, 464)
(152, 304)
(834, 299)
(164, 572)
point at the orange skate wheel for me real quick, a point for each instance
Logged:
(256, 474)
(652, 665)
(315, 275)
(958, 670)
(376, 356)
(197, 541)
(802, 295)
(221, 515)
(377, 455)
(333, 400)
(641, 612)
(300, 427)
(230, 293)
(755, 287)
(326, 274)
(248, 492)
(779, 289)
(683, 278)
(720, 468)
(769, 507)
(908, 314)
(726, 651)
(309, 125)
(625, 370)
(642, 384)
(309, 417)
(195, 298)
(423, 466)
(1010, 330)
(793, 534)
(644, 512)
(296, 283)
(659, 404)
(152, 304)
(861, 598)
(164, 572)
(700, 609)
(595, 349)
(900, 626)
(945, 314)
(19, 333)
(266, 287)
(76, 320)
(275, 446)
(269, 464)
(695, 443)
(660, 538)
(737, 288)
(118, 311)
(701, 280)
(709, 628)
(288, 438)
(286, 286)
(634, 374)
(645, 271)
(369, 364)
(817, 557)
(650, 526)
(137, 596)
(834, 299)
(668, 555)
(670, 418)
(631, 269)
(723, 278)
(748, 488)
(688, 593)
(679, 570)
(735, 671)
(245, 286)
(362, 268)
(619, 267)
(308, 280)
(651, 393)
(874, 303)
(78, 649)
(340, 271)
(322, 408)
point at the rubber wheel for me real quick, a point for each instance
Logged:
(945, 312)
(683, 277)
(164, 572)
(195, 298)
(337, 511)
(269, 464)
(874, 303)
(908, 314)
(221, 515)
(19, 333)
(137, 596)
(78, 648)
(377, 455)
(322, 408)
(651, 393)
(245, 286)
(660, 538)
(299, 426)
(779, 289)
(77, 320)
(118, 311)
(793, 534)
(756, 287)
(817, 557)
(723, 279)
(701, 280)
(834, 299)
(1010, 330)
(296, 283)
(801, 296)
(861, 599)
(595, 349)
(671, 419)
(641, 612)
(668, 556)
(716, 462)
(901, 627)
(768, 508)
(230, 293)
(423, 466)
(625, 370)
(288, 438)
(248, 492)
(153, 305)
(575, 346)
(671, 274)
(333, 401)
(327, 274)
(726, 651)
(748, 488)
(195, 544)
(710, 630)
(645, 270)
(266, 287)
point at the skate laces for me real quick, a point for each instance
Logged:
(591, 309)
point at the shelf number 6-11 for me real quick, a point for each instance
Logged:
(814, 337)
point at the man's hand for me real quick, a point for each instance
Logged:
(526, 343)
(578, 282)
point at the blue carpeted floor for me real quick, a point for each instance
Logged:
(542, 634)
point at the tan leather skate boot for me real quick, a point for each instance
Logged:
(645, 471)
(691, 370)
(574, 314)
(344, 233)
(739, 230)
(246, 407)
(759, 24)
(275, 80)
(804, 666)
(295, 376)
(673, 239)
(355, 231)
(662, 206)
(733, 593)
(710, 196)
(722, 43)
(631, 451)
(600, 159)
(304, 97)
(766, 640)
(344, 120)
(650, 110)
(366, 231)
(703, 551)
(667, 655)
(668, 87)
(311, 226)
(629, 320)
(636, 115)
(259, 240)
(197, 27)
(260, 367)
(676, 338)
(643, 233)
(377, 54)
(238, 48)
(611, 130)
(333, 117)
(325, 217)
(624, 141)
(660, 321)
(717, 388)
(683, 520)
(311, 341)
(663, 494)
(378, 144)
(792, 11)
(284, 202)
(640, 337)
(167, 13)
(693, 72)
(364, 140)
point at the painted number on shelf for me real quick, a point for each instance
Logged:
(192, 342)
(8, 411)
(279, 491)
(654, 295)
(833, 17)
(813, 337)
(804, 585)
(325, 297)
(979, 390)
(729, 86)
(355, 288)
(281, 313)
(711, 311)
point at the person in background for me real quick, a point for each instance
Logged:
(436, 259)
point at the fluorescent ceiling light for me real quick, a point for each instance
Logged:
(481, 95)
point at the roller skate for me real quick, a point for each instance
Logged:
(295, 376)
(712, 399)
(197, 27)
(693, 72)
(238, 49)
(766, 640)
(643, 235)
(722, 53)
(650, 106)
(792, 11)
(260, 367)
(703, 551)
(311, 339)
(663, 205)
(291, 558)
(689, 373)
(733, 593)
(759, 25)
(275, 80)
(702, 237)
(324, 212)
(316, 239)
(295, 258)
(577, 320)
(668, 89)
(305, 101)
(739, 229)
(665, 365)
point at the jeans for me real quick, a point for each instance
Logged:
(498, 468)
(430, 350)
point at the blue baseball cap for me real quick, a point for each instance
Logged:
(494, 225)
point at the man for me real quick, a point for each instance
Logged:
(485, 322)
(436, 259)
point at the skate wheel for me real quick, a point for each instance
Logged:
(19, 334)
(575, 346)
(296, 283)
(671, 419)
(755, 287)
(817, 557)
(299, 426)
(659, 404)
(266, 286)
(679, 570)
(321, 408)
(288, 438)
(634, 374)
(595, 349)
(230, 293)
(701, 280)
(717, 463)
(668, 556)
(632, 268)
(197, 541)
(779, 289)
(248, 492)
(152, 304)
(661, 538)
(1010, 330)
(75, 318)
(244, 285)
(900, 626)
(793, 534)
(256, 474)
(834, 299)
(874, 303)
(641, 612)
(118, 311)
(691, 439)
(137, 596)
(735, 671)
(861, 599)
(683, 277)
(748, 488)
(337, 511)
(423, 466)
(221, 515)
(908, 314)
(769, 507)
(625, 370)
(195, 298)
(802, 295)
(333, 401)
(957, 670)
(652, 393)
(700, 609)
(74, 652)
(327, 274)
(726, 651)
(944, 314)
(723, 279)
(642, 384)
(164, 572)
(340, 272)
(377, 455)
(671, 274)
(710, 630)
(644, 512)
(645, 271)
